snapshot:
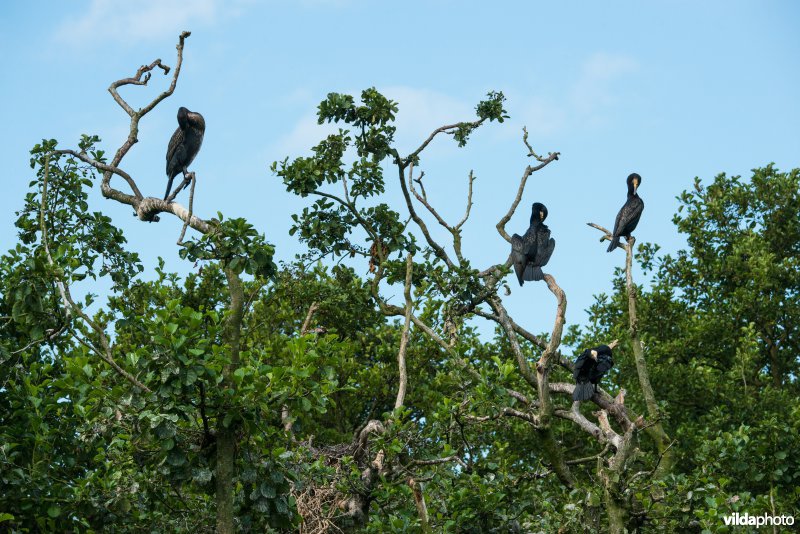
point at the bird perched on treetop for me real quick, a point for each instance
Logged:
(589, 368)
(184, 144)
(628, 216)
(532, 251)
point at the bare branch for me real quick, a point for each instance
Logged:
(401, 354)
(446, 129)
(501, 225)
(423, 198)
(103, 167)
(504, 412)
(603, 435)
(137, 79)
(307, 321)
(191, 203)
(530, 149)
(469, 201)
(187, 178)
(437, 248)
(135, 116)
(607, 234)
(50, 336)
(436, 461)
(589, 458)
(561, 310)
(522, 362)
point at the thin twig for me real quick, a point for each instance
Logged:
(423, 199)
(446, 129)
(49, 337)
(191, 203)
(501, 225)
(469, 202)
(589, 458)
(607, 234)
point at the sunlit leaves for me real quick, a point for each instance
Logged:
(237, 245)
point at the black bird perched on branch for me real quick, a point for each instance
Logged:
(589, 368)
(532, 251)
(628, 216)
(184, 144)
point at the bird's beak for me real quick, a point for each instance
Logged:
(594, 354)
(541, 215)
(635, 184)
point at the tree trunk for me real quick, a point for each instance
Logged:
(226, 452)
(617, 509)
(226, 436)
(616, 512)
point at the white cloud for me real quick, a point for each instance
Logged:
(587, 102)
(541, 116)
(143, 20)
(305, 134)
(592, 93)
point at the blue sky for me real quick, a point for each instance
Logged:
(671, 90)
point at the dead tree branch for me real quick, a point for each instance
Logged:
(146, 208)
(656, 431)
(501, 225)
(401, 354)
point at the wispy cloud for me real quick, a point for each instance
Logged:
(593, 92)
(305, 134)
(586, 102)
(139, 21)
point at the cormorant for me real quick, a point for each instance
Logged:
(532, 251)
(184, 144)
(589, 368)
(628, 216)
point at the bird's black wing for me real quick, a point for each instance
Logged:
(604, 363)
(580, 362)
(544, 247)
(176, 154)
(628, 216)
(518, 256)
(633, 212)
(619, 224)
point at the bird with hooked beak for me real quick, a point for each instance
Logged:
(628, 216)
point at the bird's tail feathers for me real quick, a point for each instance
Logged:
(169, 187)
(583, 391)
(533, 273)
(614, 244)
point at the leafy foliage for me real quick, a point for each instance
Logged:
(315, 358)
